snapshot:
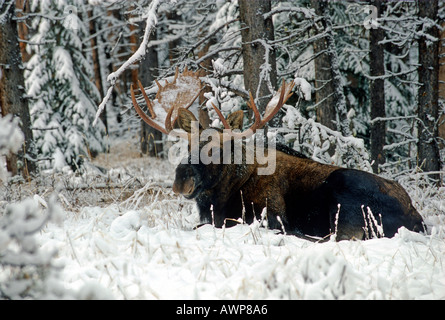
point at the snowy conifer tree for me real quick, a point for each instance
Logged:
(59, 82)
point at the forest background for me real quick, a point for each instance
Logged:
(374, 67)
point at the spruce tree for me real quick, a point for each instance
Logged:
(59, 81)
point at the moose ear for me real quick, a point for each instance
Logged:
(185, 118)
(235, 120)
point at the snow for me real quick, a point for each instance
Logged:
(138, 254)
(303, 87)
(147, 247)
(218, 66)
(11, 138)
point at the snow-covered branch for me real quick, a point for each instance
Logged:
(389, 74)
(315, 139)
(151, 22)
(308, 13)
(5, 12)
(11, 138)
(30, 270)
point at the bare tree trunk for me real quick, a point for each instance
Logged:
(324, 94)
(428, 109)
(96, 66)
(151, 139)
(12, 88)
(377, 94)
(204, 118)
(442, 85)
(255, 33)
(338, 93)
(134, 42)
(23, 28)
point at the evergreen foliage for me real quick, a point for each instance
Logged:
(59, 82)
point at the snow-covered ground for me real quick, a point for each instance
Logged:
(132, 238)
(153, 253)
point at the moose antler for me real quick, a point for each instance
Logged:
(274, 105)
(185, 89)
(180, 93)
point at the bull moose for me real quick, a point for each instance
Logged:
(301, 196)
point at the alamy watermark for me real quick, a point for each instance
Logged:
(211, 146)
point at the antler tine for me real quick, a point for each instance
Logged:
(168, 120)
(158, 84)
(285, 94)
(166, 81)
(147, 100)
(143, 115)
(256, 113)
(221, 117)
(176, 75)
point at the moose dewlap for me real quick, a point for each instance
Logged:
(301, 196)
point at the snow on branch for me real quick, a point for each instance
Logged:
(308, 13)
(314, 139)
(4, 15)
(29, 270)
(151, 22)
(11, 139)
(389, 74)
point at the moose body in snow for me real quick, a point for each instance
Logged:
(301, 196)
